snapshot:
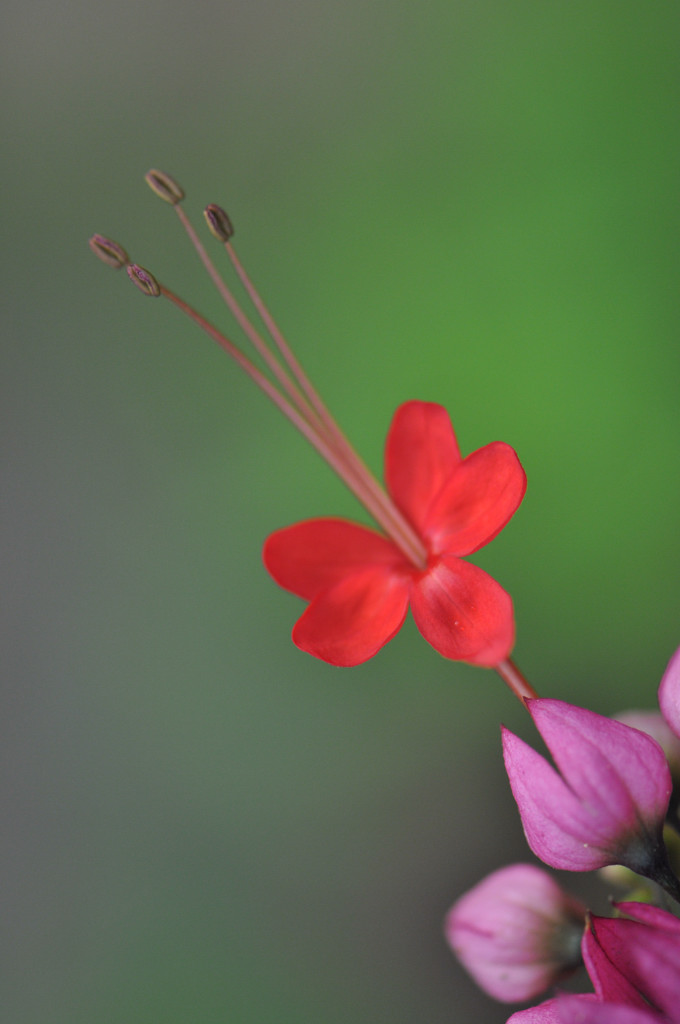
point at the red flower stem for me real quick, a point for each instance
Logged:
(297, 419)
(511, 675)
(401, 524)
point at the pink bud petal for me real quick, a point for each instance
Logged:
(582, 1010)
(609, 802)
(609, 983)
(669, 693)
(645, 913)
(644, 949)
(544, 1013)
(554, 1011)
(655, 725)
(517, 932)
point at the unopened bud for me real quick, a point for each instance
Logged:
(218, 221)
(517, 932)
(144, 280)
(109, 252)
(164, 186)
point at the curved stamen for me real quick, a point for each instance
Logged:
(401, 524)
(313, 410)
(317, 440)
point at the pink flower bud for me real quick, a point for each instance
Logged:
(517, 932)
(607, 801)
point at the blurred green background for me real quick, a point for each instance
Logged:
(469, 203)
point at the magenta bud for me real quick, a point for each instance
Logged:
(164, 186)
(669, 693)
(607, 801)
(219, 222)
(109, 252)
(635, 960)
(144, 280)
(517, 932)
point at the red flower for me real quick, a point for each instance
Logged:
(439, 506)
(360, 583)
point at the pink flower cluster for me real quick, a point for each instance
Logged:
(607, 801)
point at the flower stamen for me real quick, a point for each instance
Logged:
(303, 399)
(417, 553)
(315, 438)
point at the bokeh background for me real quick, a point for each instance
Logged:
(469, 203)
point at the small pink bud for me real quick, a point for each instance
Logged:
(517, 932)
(669, 693)
(607, 802)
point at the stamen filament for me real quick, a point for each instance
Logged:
(401, 524)
(244, 323)
(316, 413)
(356, 485)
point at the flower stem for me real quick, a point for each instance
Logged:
(512, 676)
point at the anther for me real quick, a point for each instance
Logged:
(219, 222)
(109, 252)
(164, 186)
(144, 280)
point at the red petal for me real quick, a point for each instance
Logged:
(463, 613)
(351, 622)
(318, 553)
(483, 493)
(421, 453)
